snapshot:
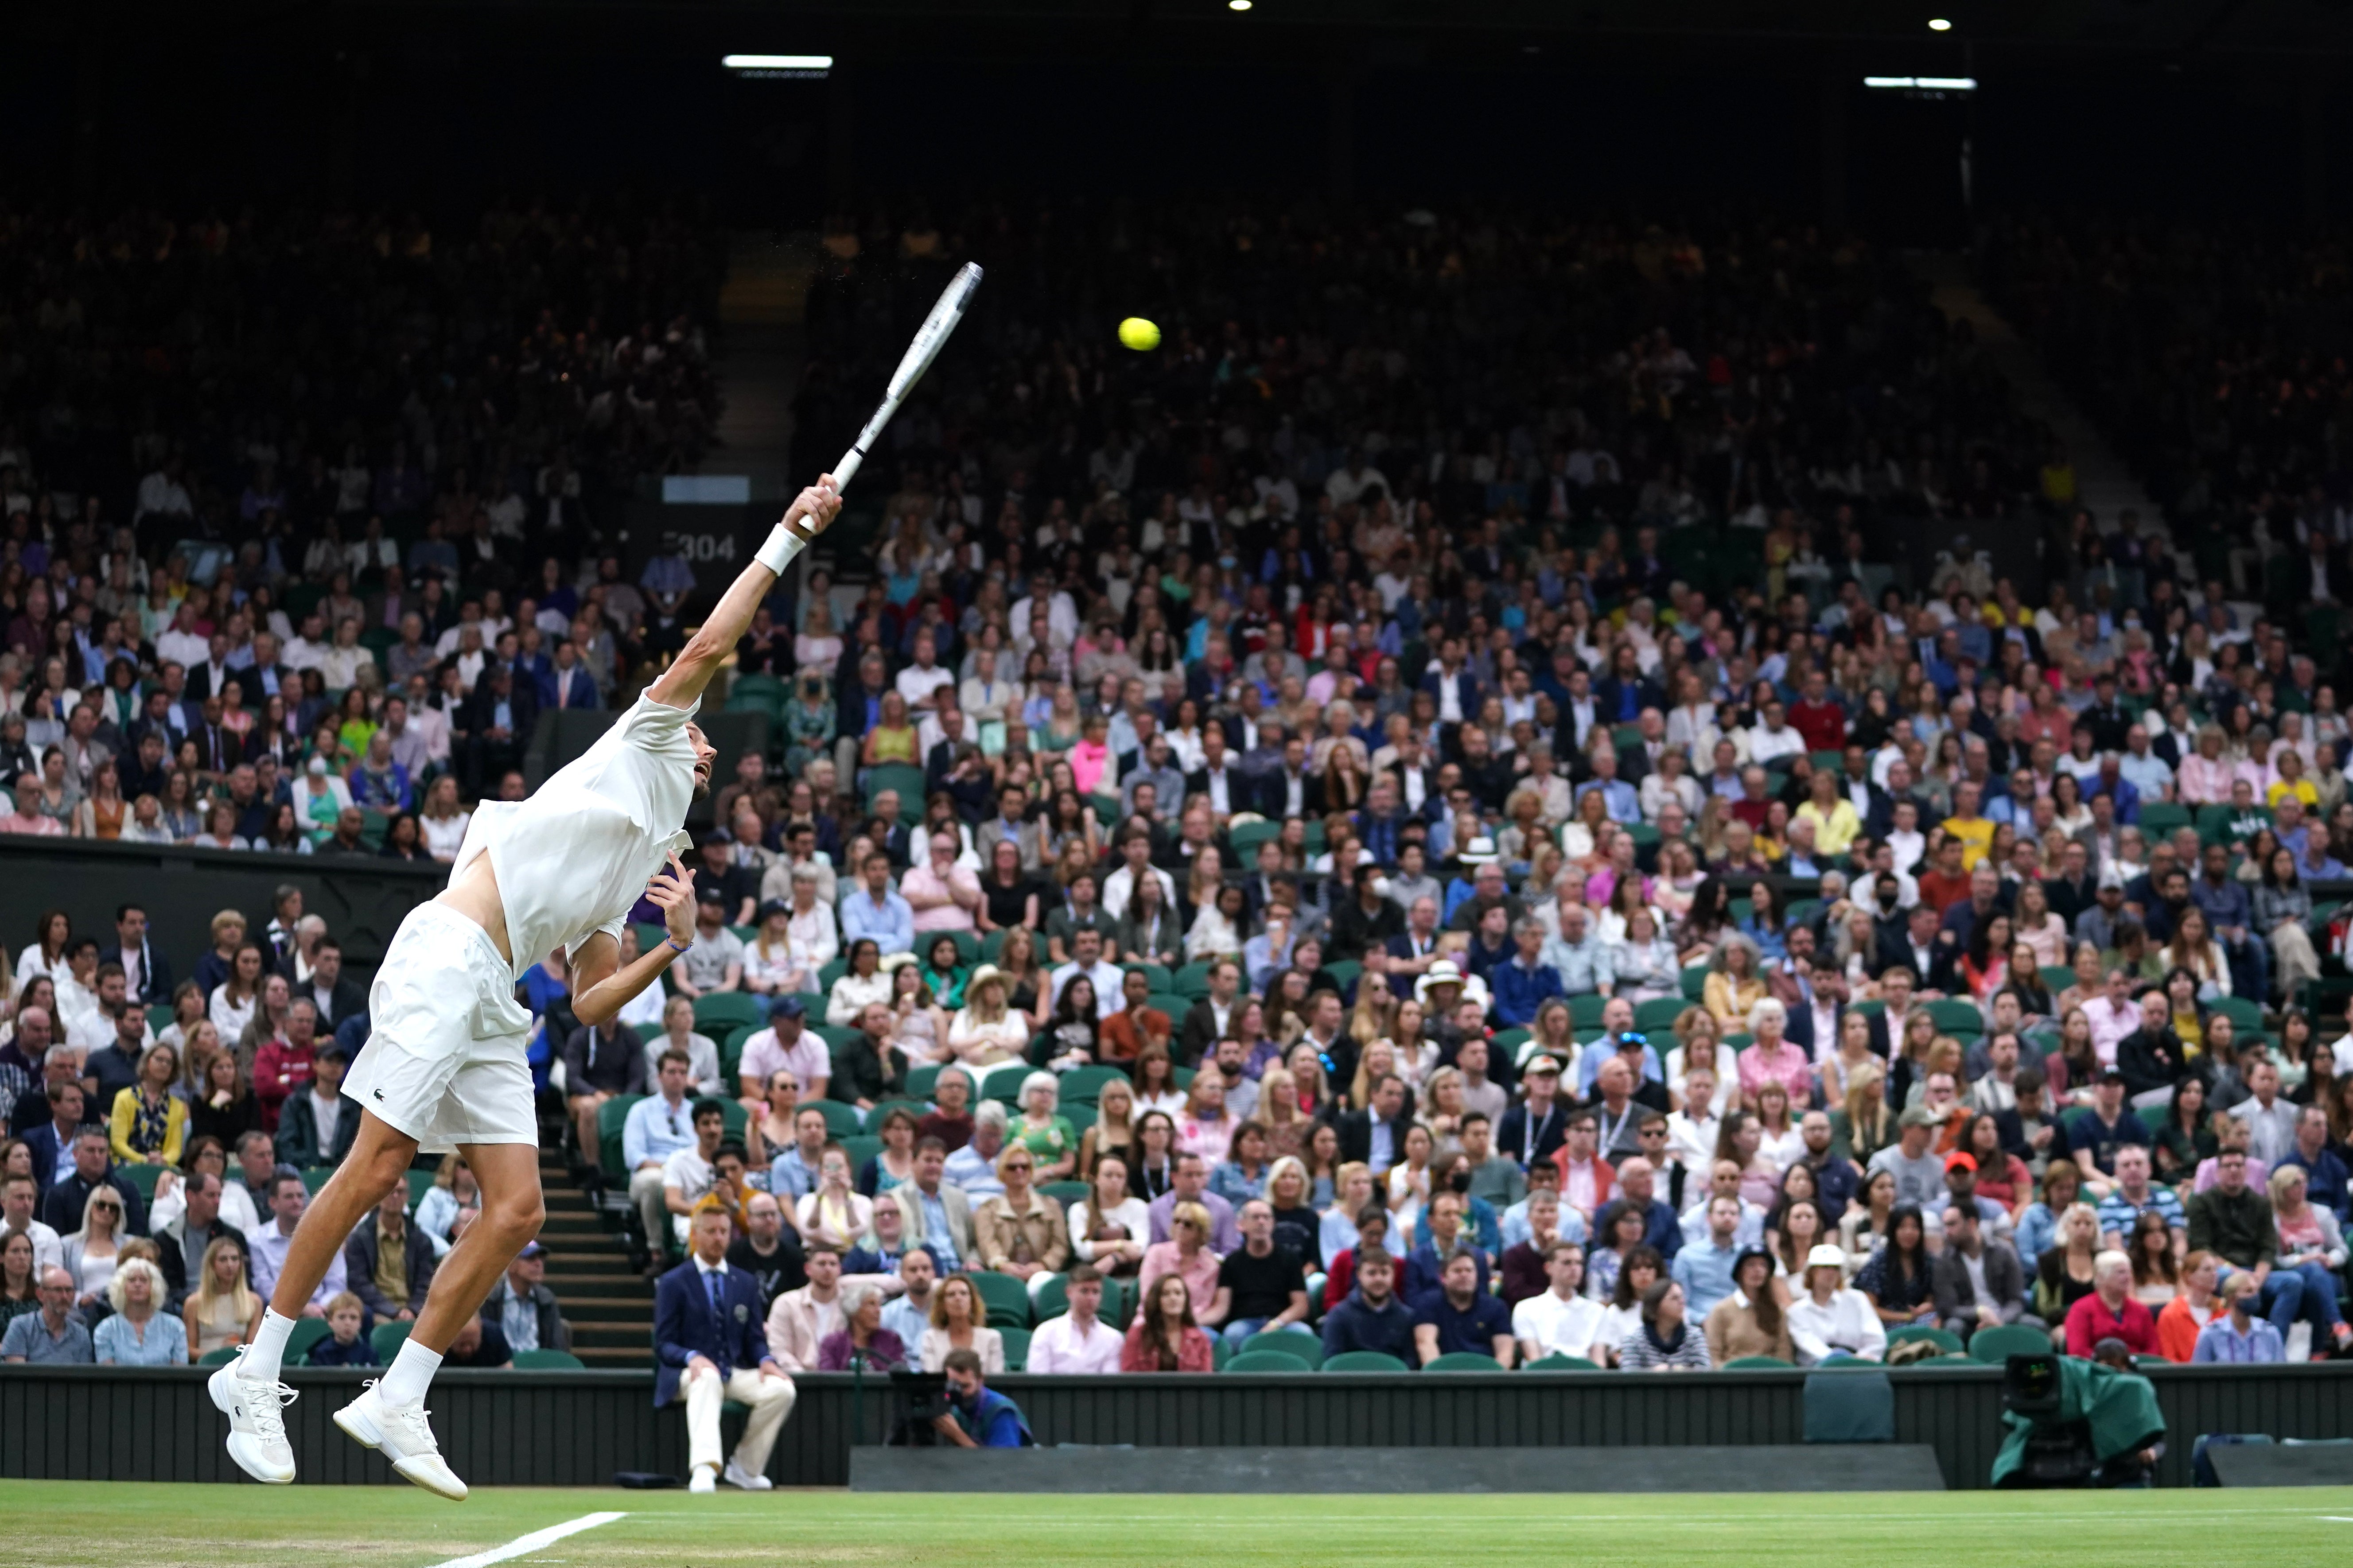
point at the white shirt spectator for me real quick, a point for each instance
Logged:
(1057, 1346)
(1559, 1328)
(1106, 978)
(1847, 1324)
(1120, 885)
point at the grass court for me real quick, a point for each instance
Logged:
(56, 1524)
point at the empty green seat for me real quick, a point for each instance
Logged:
(1364, 1361)
(1262, 1361)
(548, 1360)
(724, 1010)
(1463, 1361)
(1305, 1347)
(1006, 1299)
(386, 1338)
(1562, 1363)
(1998, 1344)
(1945, 1340)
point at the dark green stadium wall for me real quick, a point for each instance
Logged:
(579, 1428)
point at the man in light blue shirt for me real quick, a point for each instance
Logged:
(2142, 768)
(911, 1314)
(1704, 1268)
(1578, 955)
(2240, 1337)
(656, 1128)
(1616, 1024)
(1625, 805)
(878, 911)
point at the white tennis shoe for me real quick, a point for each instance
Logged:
(257, 1437)
(736, 1475)
(402, 1435)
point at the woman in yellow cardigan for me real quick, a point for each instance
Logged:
(148, 1123)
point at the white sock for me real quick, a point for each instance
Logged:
(410, 1373)
(269, 1347)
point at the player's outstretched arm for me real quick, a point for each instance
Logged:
(812, 512)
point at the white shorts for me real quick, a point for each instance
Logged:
(444, 1062)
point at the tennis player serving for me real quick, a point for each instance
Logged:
(444, 1067)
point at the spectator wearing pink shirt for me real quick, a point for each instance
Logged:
(944, 895)
(1775, 1057)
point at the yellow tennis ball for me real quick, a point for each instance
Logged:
(1139, 334)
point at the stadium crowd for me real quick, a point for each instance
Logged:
(1444, 834)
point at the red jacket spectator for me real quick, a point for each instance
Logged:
(2090, 1320)
(1139, 1354)
(1823, 725)
(280, 1068)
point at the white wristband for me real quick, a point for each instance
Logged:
(782, 546)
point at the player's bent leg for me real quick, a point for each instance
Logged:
(247, 1390)
(389, 1415)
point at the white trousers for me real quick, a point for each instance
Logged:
(771, 1399)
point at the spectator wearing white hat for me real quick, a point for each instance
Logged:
(1829, 1317)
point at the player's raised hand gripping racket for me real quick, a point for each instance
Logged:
(786, 542)
(929, 340)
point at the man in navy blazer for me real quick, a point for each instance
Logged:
(1445, 673)
(566, 683)
(710, 1335)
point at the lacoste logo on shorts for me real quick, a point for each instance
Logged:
(379, 1094)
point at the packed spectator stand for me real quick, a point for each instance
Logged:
(1429, 823)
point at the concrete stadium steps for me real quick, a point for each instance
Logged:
(608, 1305)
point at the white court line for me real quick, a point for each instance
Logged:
(522, 1544)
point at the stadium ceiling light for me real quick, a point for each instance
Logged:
(784, 65)
(1924, 83)
(1237, 4)
(1938, 25)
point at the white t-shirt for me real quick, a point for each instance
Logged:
(1058, 1347)
(1559, 1327)
(574, 859)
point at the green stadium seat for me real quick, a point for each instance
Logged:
(907, 779)
(723, 1010)
(143, 1177)
(159, 1017)
(1998, 1344)
(420, 1182)
(2160, 818)
(1695, 981)
(1063, 1192)
(1246, 836)
(1759, 1363)
(840, 1120)
(1345, 973)
(306, 1332)
(1463, 1361)
(2056, 977)
(1193, 980)
(1954, 1016)
(1154, 974)
(1658, 1014)
(2244, 1014)
(1052, 1298)
(1507, 1043)
(831, 973)
(1085, 1085)
(315, 1177)
(1006, 1299)
(1562, 1363)
(1584, 1011)
(921, 1079)
(387, 1337)
(1259, 1362)
(1305, 1347)
(1017, 1348)
(610, 1119)
(221, 1357)
(860, 1147)
(548, 1360)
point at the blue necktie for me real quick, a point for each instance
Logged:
(718, 1319)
